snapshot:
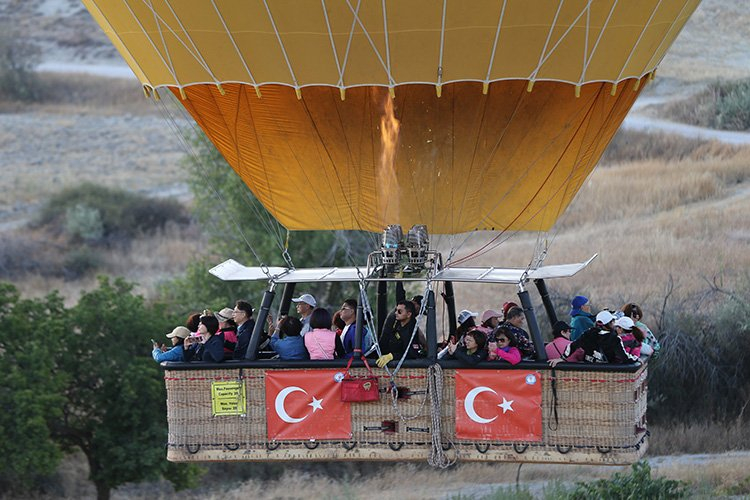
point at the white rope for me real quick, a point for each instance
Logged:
(387, 42)
(201, 60)
(640, 37)
(234, 44)
(145, 33)
(585, 43)
(494, 46)
(596, 44)
(349, 42)
(122, 45)
(559, 41)
(442, 44)
(668, 33)
(437, 457)
(369, 39)
(333, 44)
(281, 45)
(546, 42)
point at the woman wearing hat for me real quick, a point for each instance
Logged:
(177, 352)
(581, 318)
(228, 327)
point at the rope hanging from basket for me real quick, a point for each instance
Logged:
(435, 391)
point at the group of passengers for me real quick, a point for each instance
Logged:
(608, 337)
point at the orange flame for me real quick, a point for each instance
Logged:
(388, 182)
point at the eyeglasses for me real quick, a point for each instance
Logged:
(238, 311)
(502, 340)
(345, 308)
(400, 311)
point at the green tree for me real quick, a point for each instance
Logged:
(18, 60)
(115, 397)
(31, 389)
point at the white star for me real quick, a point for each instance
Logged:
(317, 404)
(506, 405)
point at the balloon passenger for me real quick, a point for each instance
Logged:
(321, 342)
(473, 351)
(560, 341)
(177, 351)
(243, 317)
(631, 335)
(286, 340)
(228, 327)
(650, 345)
(349, 316)
(507, 346)
(600, 344)
(211, 348)
(396, 338)
(515, 319)
(305, 305)
(581, 318)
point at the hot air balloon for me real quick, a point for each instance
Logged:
(450, 116)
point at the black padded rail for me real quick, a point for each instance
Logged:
(409, 363)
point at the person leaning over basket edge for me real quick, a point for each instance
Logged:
(396, 337)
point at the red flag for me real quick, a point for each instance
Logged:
(306, 404)
(498, 405)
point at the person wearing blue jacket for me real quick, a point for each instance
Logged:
(177, 352)
(212, 348)
(581, 318)
(287, 341)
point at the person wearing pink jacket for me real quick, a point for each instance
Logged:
(322, 342)
(507, 346)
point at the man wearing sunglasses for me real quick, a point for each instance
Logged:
(396, 338)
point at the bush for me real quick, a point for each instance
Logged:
(80, 262)
(637, 484)
(733, 106)
(101, 215)
(18, 59)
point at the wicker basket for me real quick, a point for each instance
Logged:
(589, 417)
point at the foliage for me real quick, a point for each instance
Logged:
(18, 59)
(84, 378)
(30, 395)
(102, 215)
(700, 361)
(733, 105)
(637, 484)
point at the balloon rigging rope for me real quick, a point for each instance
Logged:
(191, 152)
(435, 391)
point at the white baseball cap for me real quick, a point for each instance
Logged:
(307, 299)
(466, 314)
(604, 317)
(625, 323)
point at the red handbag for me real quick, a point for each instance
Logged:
(359, 388)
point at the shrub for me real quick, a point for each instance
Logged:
(101, 215)
(637, 484)
(18, 59)
(80, 262)
(733, 106)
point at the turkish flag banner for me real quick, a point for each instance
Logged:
(498, 405)
(306, 404)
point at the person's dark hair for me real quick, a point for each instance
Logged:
(337, 321)
(479, 338)
(212, 324)
(244, 306)
(629, 309)
(192, 322)
(558, 329)
(464, 327)
(320, 318)
(638, 334)
(514, 312)
(417, 299)
(409, 305)
(351, 303)
(501, 330)
(231, 324)
(290, 327)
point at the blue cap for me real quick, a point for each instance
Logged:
(578, 301)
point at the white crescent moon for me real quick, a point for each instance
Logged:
(469, 405)
(281, 411)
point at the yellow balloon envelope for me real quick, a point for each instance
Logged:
(358, 114)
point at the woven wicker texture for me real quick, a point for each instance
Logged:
(600, 420)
